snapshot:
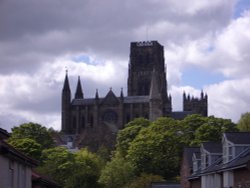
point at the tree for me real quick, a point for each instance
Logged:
(87, 170)
(189, 125)
(28, 146)
(116, 173)
(244, 122)
(58, 164)
(33, 131)
(128, 134)
(156, 149)
(79, 170)
(144, 181)
(213, 128)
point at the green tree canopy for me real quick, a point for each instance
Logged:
(33, 131)
(189, 125)
(128, 134)
(213, 128)
(117, 173)
(156, 149)
(72, 170)
(58, 164)
(144, 181)
(28, 146)
(87, 170)
(244, 122)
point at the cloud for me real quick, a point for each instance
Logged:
(38, 39)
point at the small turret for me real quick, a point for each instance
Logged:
(79, 93)
(96, 94)
(202, 95)
(121, 95)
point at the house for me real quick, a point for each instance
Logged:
(224, 165)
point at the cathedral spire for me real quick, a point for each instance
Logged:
(79, 93)
(66, 82)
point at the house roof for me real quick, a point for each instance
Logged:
(240, 161)
(212, 147)
(215, 166)
(39, 179)
(4, 134)
(238, 137)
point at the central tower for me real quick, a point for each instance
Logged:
(147, 64)
(146, 57)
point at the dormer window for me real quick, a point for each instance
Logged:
(196, 163)
(204, 160)
(228, 153)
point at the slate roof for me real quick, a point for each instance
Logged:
(212, 147)
(215, 166)
(4, 134)
(238, 137)
(239, 161)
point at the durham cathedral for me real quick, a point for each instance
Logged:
(94, 122)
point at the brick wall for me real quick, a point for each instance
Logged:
(242, 178)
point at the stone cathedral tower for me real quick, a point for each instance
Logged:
(95, 121)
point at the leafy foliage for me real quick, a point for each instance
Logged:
(244, 122)
(144, 180)
(156, 149)
(58, 164)
(87, 170)
(28, 146)
(116, 173)
(33, 131)
(213, 128)
(128, 134)
(79, 170)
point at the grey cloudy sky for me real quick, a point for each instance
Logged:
(206, 47)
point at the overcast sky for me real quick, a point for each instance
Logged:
(207, 46)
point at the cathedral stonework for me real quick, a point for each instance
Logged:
(93, 122)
